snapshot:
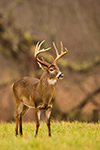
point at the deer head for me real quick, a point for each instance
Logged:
(52, 69)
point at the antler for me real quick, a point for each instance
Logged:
(38, 51)
(62, 52)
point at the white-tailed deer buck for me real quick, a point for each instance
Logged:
(31, 92)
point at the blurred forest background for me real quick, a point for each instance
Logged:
(75, 23)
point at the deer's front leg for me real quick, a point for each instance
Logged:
(37, 116)
(48, 116)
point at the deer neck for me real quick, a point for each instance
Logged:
(46, 82)
(45, 90)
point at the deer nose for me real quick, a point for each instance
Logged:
(60, 75)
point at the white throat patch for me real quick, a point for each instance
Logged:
(52, 81)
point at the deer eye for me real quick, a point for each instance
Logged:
(51, 69)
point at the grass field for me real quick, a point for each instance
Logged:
(65, 136)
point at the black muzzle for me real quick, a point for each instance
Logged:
(61, 76)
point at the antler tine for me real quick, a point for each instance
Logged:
(40, 45)
(62, 52)
(55, 49)
(61, 46)
(66, 51)
(38, 51)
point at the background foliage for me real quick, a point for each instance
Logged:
(77, 24)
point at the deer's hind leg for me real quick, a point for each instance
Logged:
(24, 110)
(18, 108)
(21, 110)
(17, 122)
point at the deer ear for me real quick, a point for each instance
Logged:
(42, 66)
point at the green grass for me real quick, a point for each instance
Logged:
(65, 136)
